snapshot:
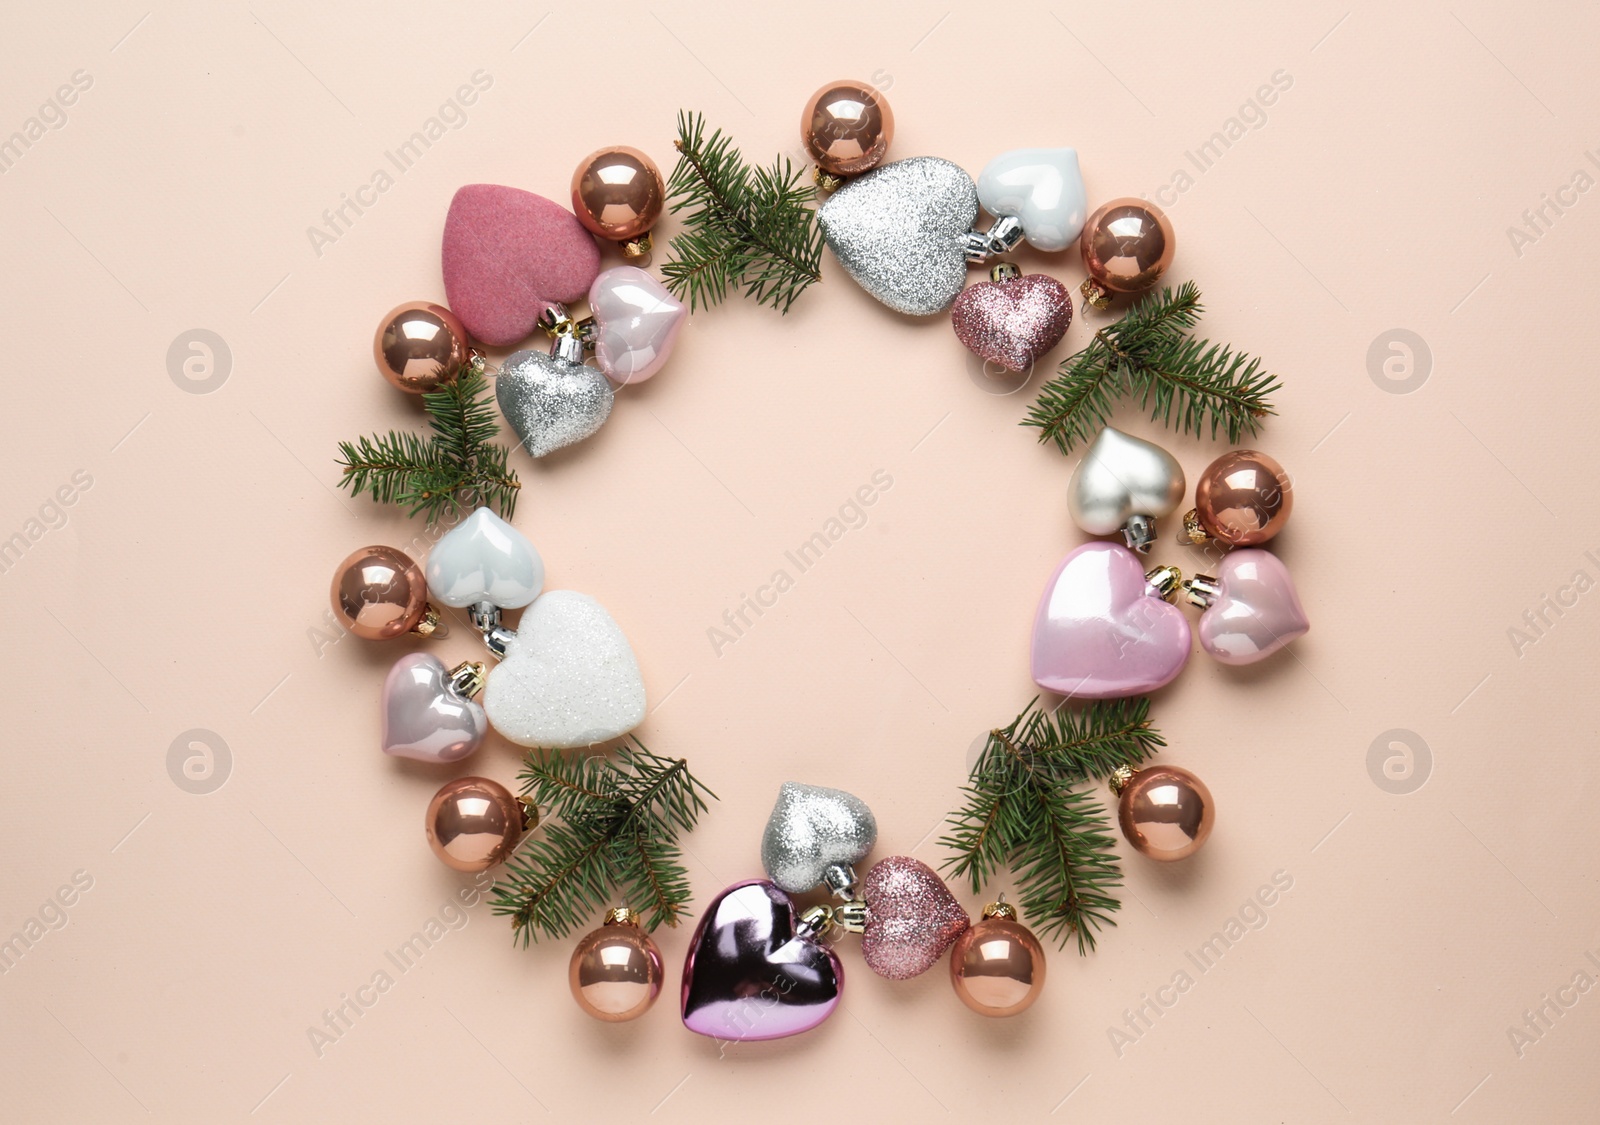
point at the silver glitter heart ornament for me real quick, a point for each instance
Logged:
(552, 400)
(901, 232)
(815, 835)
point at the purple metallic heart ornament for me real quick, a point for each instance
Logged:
(1253, 608)
(750, 975)
(912, 918)
(1102, 631)
(1013, 320)
(428, 713)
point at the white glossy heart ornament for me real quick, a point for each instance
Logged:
(485, 559)
(1122, 476)
(568, 679)
(636, 323)
(1043, 188)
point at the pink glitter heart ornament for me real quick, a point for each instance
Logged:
(912, 918)
(1255, 611)
(1102, 631)
(507, 256)
(1012, 321)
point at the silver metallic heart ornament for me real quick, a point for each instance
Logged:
(484, 559)
(551, 399)
(901, 232)
(1043, 188)
(816, 835)
(1123, 484)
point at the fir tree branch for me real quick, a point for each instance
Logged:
(1025, 808)
(1184, 383)
(744, 227)
(611, 831)
(452, 471)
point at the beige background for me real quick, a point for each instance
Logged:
(187, 588)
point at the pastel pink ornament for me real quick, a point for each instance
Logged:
(507, 256)
(912, 918)
(636, 323)
(1012, 320)
(1252, 609)
(428, 711)
(1103, 630)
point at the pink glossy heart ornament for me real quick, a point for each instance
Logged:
(912, 918)
(1102, 631)
(636, 323)
(425, 715)
(1256, 610)
(507, 256)
(1012, 321)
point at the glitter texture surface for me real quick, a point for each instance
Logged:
(810, 830)
(568, 679)
(912, 918)
(1014, 322)
(551, 402)
(900, 230)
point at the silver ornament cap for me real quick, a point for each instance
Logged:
(814, 831)
(1122, 484)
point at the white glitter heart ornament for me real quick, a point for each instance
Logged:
(550, 400)
(568, 678)
(901, 232)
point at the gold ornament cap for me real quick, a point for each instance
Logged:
(1164, 580)
(1193, 533)
(1119, 779)
(1000, 908)
(622, 916)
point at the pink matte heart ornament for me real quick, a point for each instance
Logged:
(1102, 631)
(508, 255)
(912, 918)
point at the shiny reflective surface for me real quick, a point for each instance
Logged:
(636, 323)
(1122, 476)
(1101, 633)
(424, 718)
(420, 345)
(484, 559)
(379, 593)
(997, 967)
(748, 977)
(1243, 498)
(812, 828)
(617, 192)
(473, 823)
(1040, 186)
(1258, 611)
(847, 127)
(1127, 245)
(615, 972)
(1165, 812)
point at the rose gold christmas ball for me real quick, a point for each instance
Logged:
(1127, 244)
(1243, 498)
(379, 593)
(1165, 812)
(473, 823)
(847, 127)
(997, 966)
(615, 971)
(420, 345)
(617, 193)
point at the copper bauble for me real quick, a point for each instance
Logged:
(1127, 244)
(997, 966)
(473, 823)
(420, 345)
(617, 193)
(847, 127)
(379, 593)
(615, 972)
(1242, 499)
(1165, 812)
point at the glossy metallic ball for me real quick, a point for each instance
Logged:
(420, 345)
(997, 966)
(1127, 244)
(847, 127)
(1243, 498)
(379, 593)
(615, 971)
(617, 193)
(474, 823)
(1165, 812)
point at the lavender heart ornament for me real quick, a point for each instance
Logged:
(1101, 630)
(1012, 321)
(750, 974)
(1253, 608)
(428, 712)
(912, 918)
(636, 323)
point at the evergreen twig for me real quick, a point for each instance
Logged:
(1185, 383)
(611, 831)
(744, 227)
(1026, 809)
(452, 471)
